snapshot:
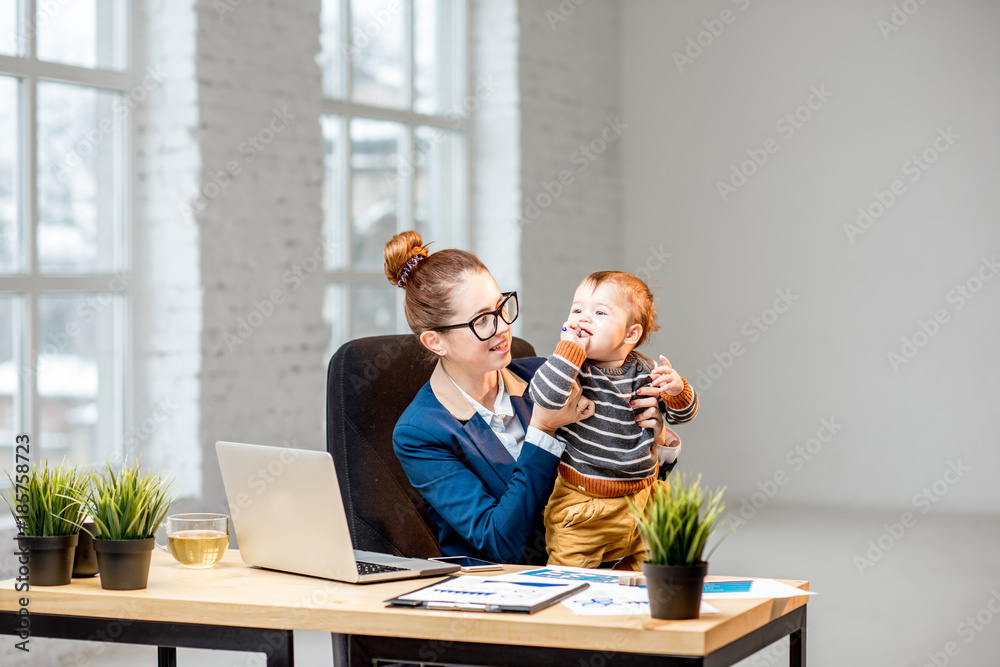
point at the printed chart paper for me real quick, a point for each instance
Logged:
(615, 600)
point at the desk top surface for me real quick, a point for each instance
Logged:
(236, 595)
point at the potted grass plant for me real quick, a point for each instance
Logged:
(47, 504)
(126, 507)
(676, 525)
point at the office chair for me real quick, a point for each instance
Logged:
(370, 382)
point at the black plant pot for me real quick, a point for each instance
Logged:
(50, 559)
(675, 590)
(85, 560)
(124, 563)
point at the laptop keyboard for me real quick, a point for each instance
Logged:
(376, 568)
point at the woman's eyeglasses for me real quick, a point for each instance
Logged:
(485, 325)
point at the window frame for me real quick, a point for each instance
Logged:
(29, 284)
(460, 233)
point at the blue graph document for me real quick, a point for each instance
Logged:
(727, 586)
(757, 588)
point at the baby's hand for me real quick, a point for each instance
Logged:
(572, 331)
(666, 379)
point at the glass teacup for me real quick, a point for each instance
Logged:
(197, 541)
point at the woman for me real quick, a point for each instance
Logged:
(485, 473)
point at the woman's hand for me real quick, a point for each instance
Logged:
(647, 412)
(577, 407)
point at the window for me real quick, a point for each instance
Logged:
(65, 94)
(395, 127)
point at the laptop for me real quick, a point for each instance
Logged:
(288, 515)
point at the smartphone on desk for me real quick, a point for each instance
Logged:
(469, 564)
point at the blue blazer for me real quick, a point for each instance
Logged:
(484, 503)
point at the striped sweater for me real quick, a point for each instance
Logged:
(607, 454)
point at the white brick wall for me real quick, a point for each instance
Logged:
(495, 144)
(569, 72)
(167, 301)
(263, 337)
(229, 156)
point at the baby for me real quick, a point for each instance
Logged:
(613, 455)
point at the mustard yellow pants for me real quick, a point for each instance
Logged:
(582, 530)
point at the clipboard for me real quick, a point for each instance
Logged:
(536, 597)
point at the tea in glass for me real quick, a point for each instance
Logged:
(197, 541)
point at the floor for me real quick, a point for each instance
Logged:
(918, 595)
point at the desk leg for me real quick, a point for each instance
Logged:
(166, 656)
(797, 645)
(341, 652)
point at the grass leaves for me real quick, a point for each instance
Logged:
(128, 505)
(677, 522)
(50, 502)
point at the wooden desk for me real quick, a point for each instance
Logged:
(234, 607)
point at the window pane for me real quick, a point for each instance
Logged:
(437, 55)
(10, 255)
(377, 52)
(10, 390)
(79, 368)
(332, 52)
(373, 188)
(85, 33)
(10, 39)
(373, 310)
(439, 187)
(80, 165)
(335, 316)
(334, 225)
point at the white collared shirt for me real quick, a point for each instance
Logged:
(504, 423)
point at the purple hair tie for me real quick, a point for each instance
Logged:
(410, 265)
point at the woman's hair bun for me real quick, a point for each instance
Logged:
(398, 253)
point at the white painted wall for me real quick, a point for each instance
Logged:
(855, 295)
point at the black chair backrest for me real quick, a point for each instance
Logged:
(370, 382)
